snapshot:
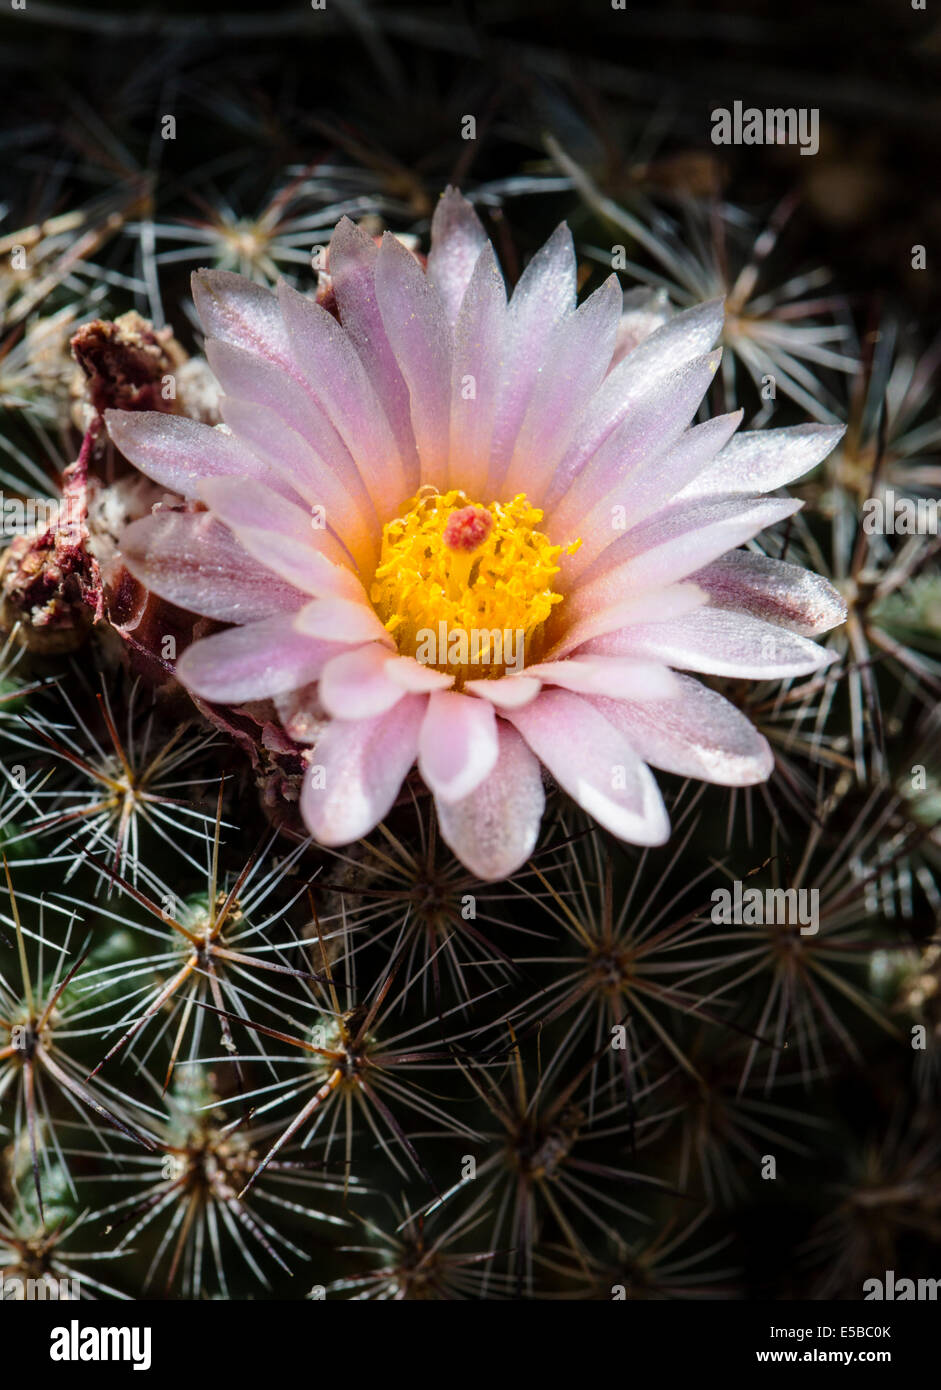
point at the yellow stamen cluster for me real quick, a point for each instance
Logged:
(428, 576)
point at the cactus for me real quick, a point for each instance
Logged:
(345, 953)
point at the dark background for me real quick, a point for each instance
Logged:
(628, 93)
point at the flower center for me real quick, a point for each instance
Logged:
(467, 588)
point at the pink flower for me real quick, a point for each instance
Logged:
(397, 495)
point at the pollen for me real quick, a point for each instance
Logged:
(463, 586)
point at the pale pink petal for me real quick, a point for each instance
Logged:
(673, 601)
(594, 762)
(457, 747)
(418, 331)
(656, 484)
(177, 453)
(696, 734)
(671, 545)
(647, 369)
(475, 377)
(683, 337)
(355, 685)
(357, 770)
(236, 310)
(457, 239)
(508, 692)
(656, 422)
(363, 683)
(646, 490)
(621, 677)
(771, 589)
(762, 460)
(645, 310)
(251, 379)
(415, 677)
(352, 259)
(192, 560)
(341, 620)
(544, 294)
(495, 829)
(335, 375)
(343, 505)
(719, 642)
(577, 355)
(274, 331)
(281, 536)
(253, 662)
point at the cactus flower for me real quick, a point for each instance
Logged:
(485, 537)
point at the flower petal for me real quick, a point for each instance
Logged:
(623, 678)
(177, 453)
(457, 747)
(646, 490)
(544, 294)
(346, 509)
(762, 460)
(774, 590)
(594, 762)
(357, 771)
(352, 259)
(671, 545)
(475, 376)
(192, 560)
(644, 372)
(507, 692)
(363, 683)
(495, 829)
(576, 359)
(673, 601)
(415, 677)
(645, 310)
(418, 331)
(656, 422)
(719, 642)
(457, 239)
(335, 375)
(253, 662)
(235, 310)
(341, 620)
(282, 536)
(250, 379)
(696, 734)
(354, 685)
